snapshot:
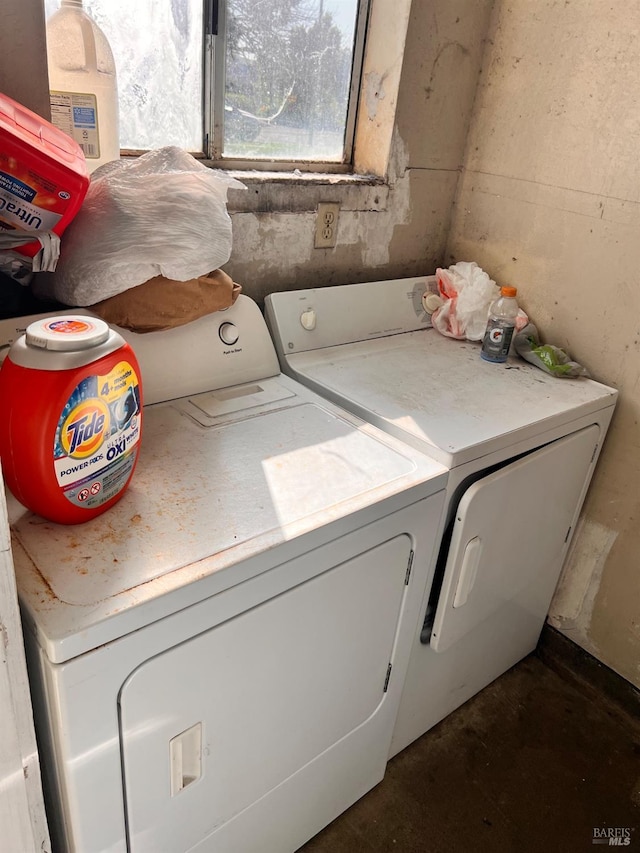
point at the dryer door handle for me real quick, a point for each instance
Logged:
(468, 571)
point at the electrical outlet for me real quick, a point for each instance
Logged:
(326, 225)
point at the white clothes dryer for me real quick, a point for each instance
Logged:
(521, 447)
(216, 662)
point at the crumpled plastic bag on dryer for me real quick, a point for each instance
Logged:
(467, 292)
(163, 213)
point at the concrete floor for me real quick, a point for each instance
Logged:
(536, 763)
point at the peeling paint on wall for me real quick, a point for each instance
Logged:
(269, 240)
(375, 247)
(399, 160)
(376, 250)
(373, 92)
(572, 605)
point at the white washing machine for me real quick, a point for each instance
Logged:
(521, 447)
(216, 662)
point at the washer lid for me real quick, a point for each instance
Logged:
(203, 500)
(370, 352)
(438, 394)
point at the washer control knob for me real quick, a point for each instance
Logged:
(308, 319)
(431, 301)
(228, 333)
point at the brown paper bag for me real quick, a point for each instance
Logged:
(162, 303)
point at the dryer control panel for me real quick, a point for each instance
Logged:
(320, 317)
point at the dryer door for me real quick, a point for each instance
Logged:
(510, 537)
(252, 736)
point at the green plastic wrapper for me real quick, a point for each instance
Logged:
(547, 357)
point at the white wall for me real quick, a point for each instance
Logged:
(549, 201)
(23, 826)
(23, 59)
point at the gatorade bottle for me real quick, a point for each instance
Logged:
(82, 83)
(500, 326)
(71, 422)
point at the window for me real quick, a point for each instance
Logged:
(241, 82)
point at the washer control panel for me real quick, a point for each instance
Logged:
(229, 333)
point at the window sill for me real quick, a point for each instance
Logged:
(296, 192)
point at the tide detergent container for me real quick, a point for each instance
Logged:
(71, 417)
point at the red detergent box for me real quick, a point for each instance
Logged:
(43, 174)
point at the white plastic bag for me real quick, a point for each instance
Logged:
(163, 213)
(20, 266)
(468, 293)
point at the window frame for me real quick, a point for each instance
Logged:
(373, 160)
(214, 54)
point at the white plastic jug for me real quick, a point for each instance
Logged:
(82, 83)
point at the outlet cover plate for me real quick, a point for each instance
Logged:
(326, 225)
